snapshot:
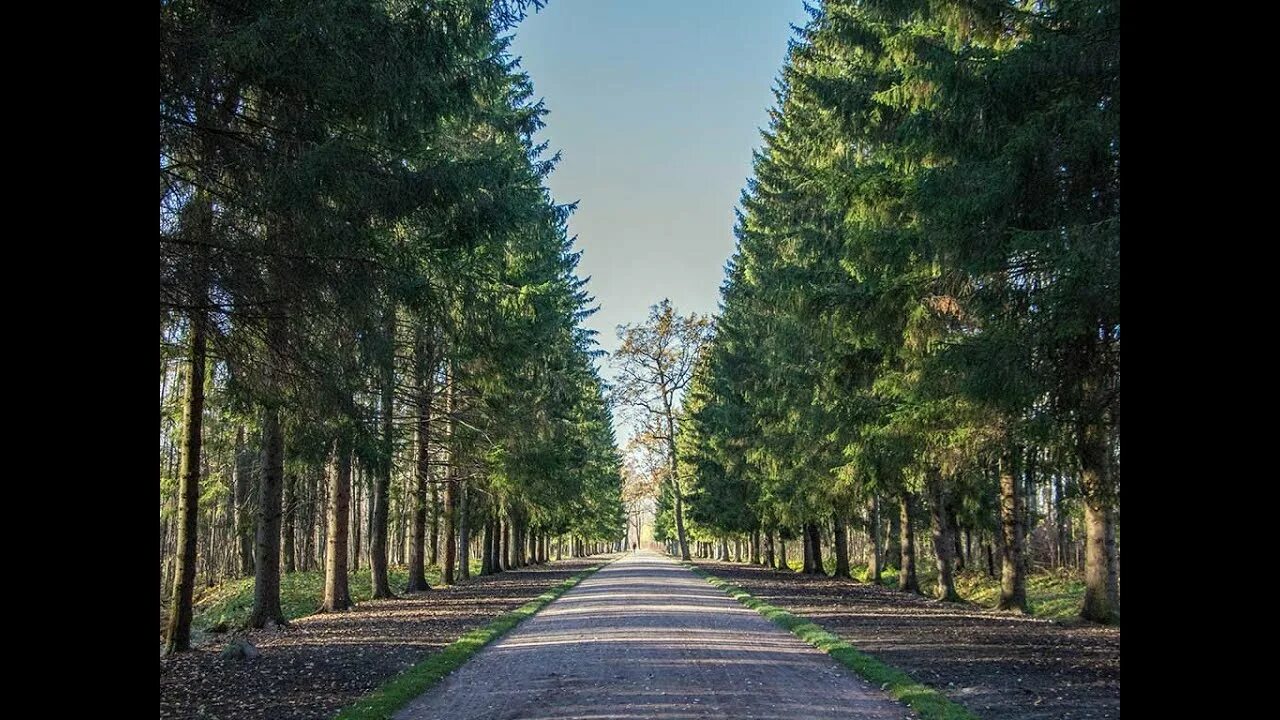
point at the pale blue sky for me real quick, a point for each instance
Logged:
(655, 106)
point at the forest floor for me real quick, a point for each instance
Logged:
(646, 638)
(1000, 666)
(323, 662)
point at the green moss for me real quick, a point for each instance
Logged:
(383, 702)
(927, 702)
(1053, 594)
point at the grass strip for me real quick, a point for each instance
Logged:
(929, 703)
(394, 694)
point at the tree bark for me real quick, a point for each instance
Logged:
(842, 546)
(876, 568)
(178, 632)
(266, 576)
(486, 549)
(893, 542)
(450, 536)
(381, 498)
(1059, 521)
(355, 519)
(424, 362)
(907, 580)
(464, 534)
(505, 554)
(243, 487)
(1013, 581)
(1101, 576)
(943, 544)
(337, 590)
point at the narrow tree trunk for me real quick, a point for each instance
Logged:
(178, 632)
(782, 553)
(337, 590)
(943, 544)
(875, 570)
(486, 549)
(450, 534)
(1013, 581)
(289, 528)
(381, 498)
(893, 542)
(266, 576)
(842, 546)
(1060, 525)
(907, 570)
(424, 370)
(1101, 577)
(499, 553)
(505, 553)
(815, 533)
(680, 534)
(464, 534)
(243, 487)
(437, 513)
(954, 524)
(355, 520)
(770, 560)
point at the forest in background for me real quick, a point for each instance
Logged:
(917, 354)
(372, 349)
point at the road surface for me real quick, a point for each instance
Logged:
(646, 638)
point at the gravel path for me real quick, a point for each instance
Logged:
(646, 638)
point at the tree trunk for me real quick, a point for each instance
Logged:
(464, 534)
(815, 532)
(770, 560)
(381, 499)
(266, 576)
(782, 553)
(499, 557)
(907, 570)
(505, 554)
(943, 544)
(1060, 525)
(958, 550)
(289, 527)
(337, 590)
(680, 534)
(1013, 581)
(178, 632)
(876, 569)
(1101, 576)
(355, 519)
(243, 487)
(893, 542)
(450, 535)
(486, 549)
(424, 362)
(842, 546)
